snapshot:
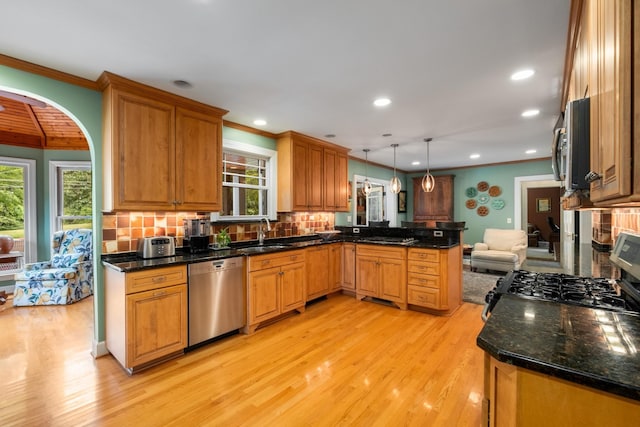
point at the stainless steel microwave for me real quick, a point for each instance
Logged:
(570, 151)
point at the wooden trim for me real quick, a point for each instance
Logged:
(249, 129)
(575, 17)
(310, 139)
(47, 72)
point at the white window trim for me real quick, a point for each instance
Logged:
(272, 180)
(31, 224)
(391, 203)
(53, 187)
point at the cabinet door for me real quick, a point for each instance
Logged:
(300, 178)
(342, 183)
(367, 275)
(143, 155)
(330, 186)
(318, 265)
(434, 206)
(156, 324)
(393, 280)
(315, 185)
(198, 161)
(292, 286)
(610, 87)
(349, 266)
(335, 267)
(264, 294)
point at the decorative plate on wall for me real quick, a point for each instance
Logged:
(471, 192)
(495, 191)
(483, 186)
(483, 211)
(497, 204)
(471, 204)
(483, 199)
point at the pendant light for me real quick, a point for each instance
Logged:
(428, 182)
(366, 185)
(395, 185)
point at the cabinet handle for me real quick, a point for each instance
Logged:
(293, 257)
(282, 273)
(266, 262)
(159, 279)
(159, 293)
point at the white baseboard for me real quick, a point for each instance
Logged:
(99, 349)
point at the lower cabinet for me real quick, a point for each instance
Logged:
(349, 267)
(515, 396)
(435, 278)
(276, 285)
(146, 315)
(381, 272)
(323, 270)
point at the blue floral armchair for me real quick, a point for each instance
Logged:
(66, 278)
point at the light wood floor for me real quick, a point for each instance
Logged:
(342, 362)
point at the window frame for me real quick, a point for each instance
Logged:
(54, 186)
(271, 167)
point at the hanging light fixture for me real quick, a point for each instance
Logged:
(366, 185)
(395, 185)
(428, 182)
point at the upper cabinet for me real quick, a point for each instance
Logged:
(434, 206)
(161, 152)
(312, 174)
(608, 26)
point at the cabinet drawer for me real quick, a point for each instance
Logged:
(424, 297)
(382, 251)
(424, 268)
(424, 280)
(145, 280)
(431, 255)
(260, 262)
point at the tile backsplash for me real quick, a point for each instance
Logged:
(122, 230)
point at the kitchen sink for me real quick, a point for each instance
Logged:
(260, 249)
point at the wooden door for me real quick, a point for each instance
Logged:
(264, 294)
(393, 280)
(335, 267)
(349, 266)
(434, 206)
(292, 286)
(315, 184)
(330, 185)
(610, 78)
(317, 271)
(156, 323)
(143, 153)
(367, 275)
(198, 161)
(300, 178)
(342, 183)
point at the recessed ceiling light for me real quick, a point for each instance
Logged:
(416, 163)
(382, 102)
(386, 134)
(259, 122)
(530, 113)
(330, 135)
(522, 74)
(182, 84)
(474, 156)
(531, 151)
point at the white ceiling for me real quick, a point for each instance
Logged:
(315, 66)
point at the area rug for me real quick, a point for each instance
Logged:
(475, 285)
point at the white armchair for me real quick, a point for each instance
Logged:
(501, 250)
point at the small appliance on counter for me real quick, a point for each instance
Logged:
(196, 235)
(156, 247)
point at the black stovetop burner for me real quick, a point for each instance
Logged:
(591, 292)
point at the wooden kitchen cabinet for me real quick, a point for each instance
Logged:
(323, 270)
(161, 152)
(516, 396)
(381, 272)
(312, 174)
(146, 315)
(349, 267)
(434, 279)
(434, 206)
(276, 285)
(335, 267)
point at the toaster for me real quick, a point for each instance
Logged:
(156, 247)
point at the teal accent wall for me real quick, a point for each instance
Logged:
(248, 137)
(84, 106)
(501, 175)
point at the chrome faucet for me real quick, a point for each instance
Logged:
(261, 232)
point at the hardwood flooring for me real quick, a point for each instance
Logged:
(341, 362)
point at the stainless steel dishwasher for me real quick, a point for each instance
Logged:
(216, 299)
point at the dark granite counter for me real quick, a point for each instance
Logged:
(594, 348)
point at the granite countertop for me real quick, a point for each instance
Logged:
(591, 347)
(127, 262)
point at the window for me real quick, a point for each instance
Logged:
(377, 206)
(18, 210)
(248, 182)
(71, 184)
